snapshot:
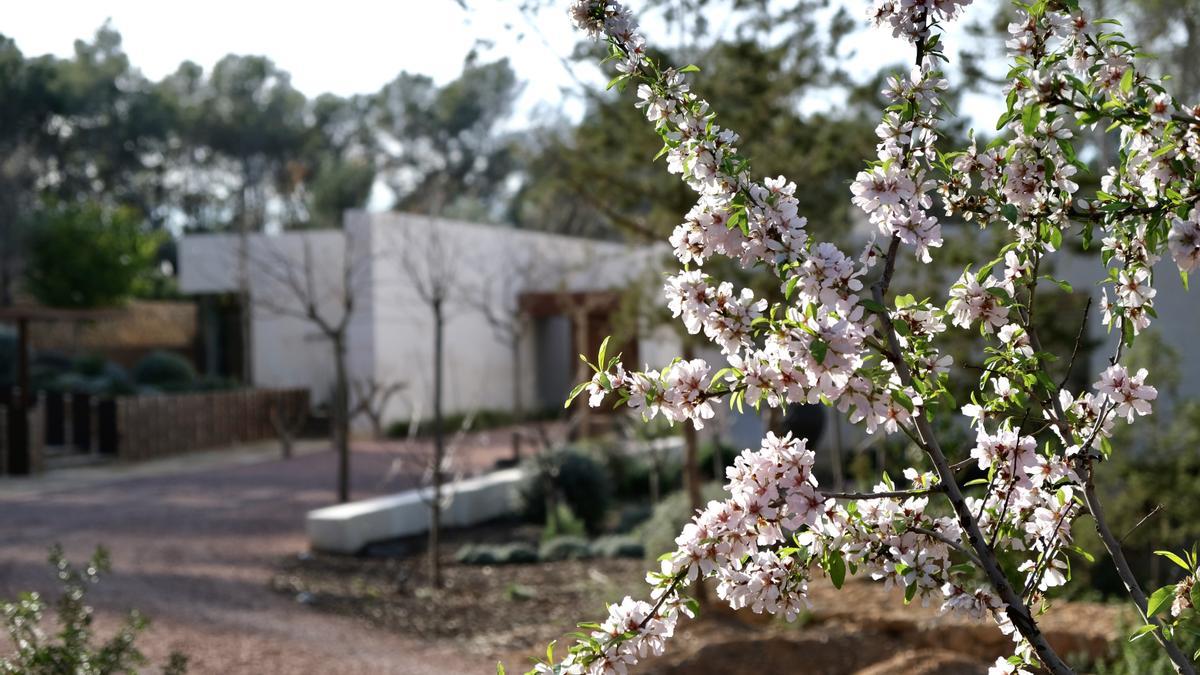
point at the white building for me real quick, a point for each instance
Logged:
(559, 291)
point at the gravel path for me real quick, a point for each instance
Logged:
(194, 549)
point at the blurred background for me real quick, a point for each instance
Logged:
(291, 298)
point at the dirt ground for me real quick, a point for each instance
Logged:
(196, 550)
(511, 612)
(215, 554)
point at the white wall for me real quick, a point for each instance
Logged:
(391, 332)
(485, 261)
(285, 273)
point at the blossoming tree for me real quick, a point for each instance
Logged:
(844, 338)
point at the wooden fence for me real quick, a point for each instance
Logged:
(148, 427)
(138, 428)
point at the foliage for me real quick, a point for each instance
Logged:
(478, 420)
(617, 546)
(88, 256)
(577, 480)
(504, 554)
(445, 153)
(669, 516)
(564, 547)
(1141, 657)
(73, 649)
(166, 371)
(563, 523)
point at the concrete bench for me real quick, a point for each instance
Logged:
(347, 528)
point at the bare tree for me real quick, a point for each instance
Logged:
(371, 398)
(325, 297)
(287, 422)
(430, 265)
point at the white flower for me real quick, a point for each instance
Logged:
(1128, 393)
(1184, 241)
(1134, 290)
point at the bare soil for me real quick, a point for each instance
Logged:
(510, 612)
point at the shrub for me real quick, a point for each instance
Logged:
(504, 554)
(579, 481)
(564, 548)
(564, 523)
(164, 370)
(88, 374)
(480, 420)
(670, 515)
(704, 457)
(617, 546)
(73, 650)
(88, 255)
(631, 516)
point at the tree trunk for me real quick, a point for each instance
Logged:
(518, 405)
(245, 314)
(439, 448)
(341, 417)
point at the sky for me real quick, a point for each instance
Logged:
(344, 47)
(356, 46)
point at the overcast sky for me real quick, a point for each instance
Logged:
(350, 46)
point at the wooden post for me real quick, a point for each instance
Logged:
(19, 460)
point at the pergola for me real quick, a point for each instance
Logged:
(19, 460)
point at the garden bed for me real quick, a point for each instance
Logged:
(510, 612)
(504, 610)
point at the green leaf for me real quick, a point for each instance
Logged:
(1140, 632)
(1175, 559)
(603, 350)
(837, 570)
(499, 668)
(1127, 81)
(910, 592)
(1160, 599)
(791, 287)
(1030, 118)
(819, 349)
(872, 305)
(615, 81)
(575, 392)
(690, 68)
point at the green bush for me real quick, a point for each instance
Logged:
(564, 523)
(480, 420)
(704, 457)
(564, 548)
(631, 516)
(578, 480)
(165, 370)
(504, 554)
(88, 255)
(72, 649)
(670, 515)
(1143, 656)
(617, 546)
(90, 374)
